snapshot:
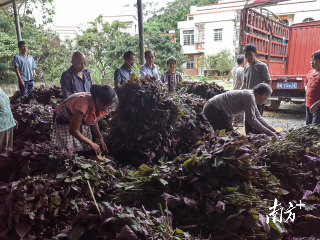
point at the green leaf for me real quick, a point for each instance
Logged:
(164, 182)
(130, 211)
(74, 204)
(222, 132)
(179, 231)
(61, 235)
(85, 165)
(128, 187)
(189, 162)
(276, 226)
(217, 162)
(144, 167)
(87, 175)
(56, 200)
(62, 175)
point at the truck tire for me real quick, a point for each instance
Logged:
(274, 105)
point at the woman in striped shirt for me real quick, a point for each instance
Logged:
(171, 77)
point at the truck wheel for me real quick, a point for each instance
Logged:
(274, 105)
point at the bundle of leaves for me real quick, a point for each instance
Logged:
(44, 95)
(123, 223)
(210, 190)
(28, 159)
(147, 122)
(204, 90)
(44, 205)
(295, 160)
(34, 121)
(190, 126)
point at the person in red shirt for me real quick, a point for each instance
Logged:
(82, 109)
(312, 86)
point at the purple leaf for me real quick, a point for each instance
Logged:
(191, 203)
(306, 194)
(209, 208)
(69, 150)
(126, 233)
(37, 189)
(264, 223)
(172, 201)
(220, 207)
(24, 154)
(199, 171)
(317, 188)
(22, 228)
(3, 234)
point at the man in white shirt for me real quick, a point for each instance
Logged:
(149, 68)
(238, 76)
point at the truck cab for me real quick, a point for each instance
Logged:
(286, 51)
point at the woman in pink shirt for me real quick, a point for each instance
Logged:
(82, 109)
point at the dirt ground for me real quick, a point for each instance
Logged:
(288, 116)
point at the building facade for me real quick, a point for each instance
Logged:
(211, 28)
(66, 32)
(131, 21)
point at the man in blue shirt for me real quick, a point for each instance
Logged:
(76, 78)
(122, 74)
(25, 67)
(149, 68)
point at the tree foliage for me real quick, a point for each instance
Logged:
(222, 61)
(51, 56)
(168, 17)
(105, 43)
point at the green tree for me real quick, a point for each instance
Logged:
(52, 57)
(164, 48)
(105, 43)
(223, 61)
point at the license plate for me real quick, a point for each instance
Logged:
(287, 85)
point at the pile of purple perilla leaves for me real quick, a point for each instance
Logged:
(151, 124)
(44, 95)
(34, 121)
(34, 113)
(202, 89)
(172, 178)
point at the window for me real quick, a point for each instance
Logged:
(66, 37)
(190, 18)
(308, 20)
(190, 64)
(188, 37)
(286, 22)
(218, 34)
(238, 15)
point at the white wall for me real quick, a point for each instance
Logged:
(211, 46)
(187, 49)
(300, 16)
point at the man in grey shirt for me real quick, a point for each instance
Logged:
(238, 73)
(238, 76)
(255, 72)
(219, 109)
